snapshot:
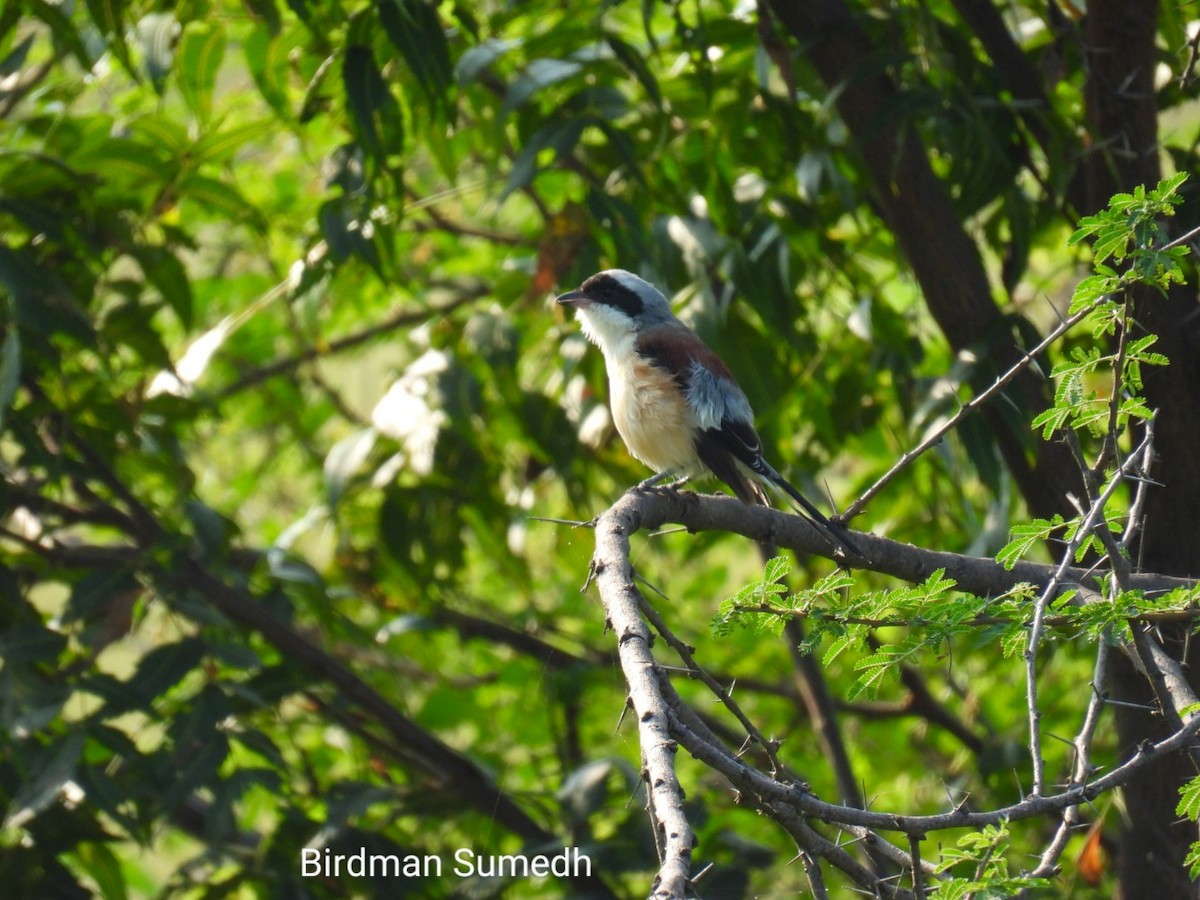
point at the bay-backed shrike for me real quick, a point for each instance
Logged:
(674, 401)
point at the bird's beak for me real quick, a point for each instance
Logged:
(574, 299)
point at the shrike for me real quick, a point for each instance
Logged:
(674, 401)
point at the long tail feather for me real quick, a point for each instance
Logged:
(834, 532)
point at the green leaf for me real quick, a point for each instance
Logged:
(217, 146)
(223, 200)
(163, 667)
(874, 669)
(375, 113)
(166, 136)
(93, 592)
(559, 135)
(14, 62)
(195, 766)
(10, 370)
(131, 324)
(633, 61)
(420, 528)
(31, 644)
(315, 101)
(585, 790)
(212, 530)
(197, 63)
(1192, 860)
(125, 161)
(42, 789)
(101, 863)
(1111, 241)
(1091, 289)
(538, 74)
(416, 31)
(293, 570)
(333, 221)
(1024, 536)
(109, 17)
(475, 60)
(1189, 800)
(163, 269)
(260, 743)
(268, 11)
(267, 58)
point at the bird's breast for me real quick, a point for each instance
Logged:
(652, 415)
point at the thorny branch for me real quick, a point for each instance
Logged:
(1082, 769)
(665, 722)
(725, 695)
(978, 575)
(1093, 521)
(622, 601)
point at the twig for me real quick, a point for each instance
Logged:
(1190, 233)
(399, 320)
(950, 424)
(42, 506)
(804, 802)
(810, 841)
(1193, 56)
(1171, 686)
(886, 849)
(1037, 626)
(822, 713)
(1136, 508)
(1082, 769)
(697, 671)
(816, 881)
(441, 222)
(918, 874)
(1108, 449)
(1158, 617)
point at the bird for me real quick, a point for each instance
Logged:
(676, 404)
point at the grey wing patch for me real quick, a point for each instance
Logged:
(716, 401)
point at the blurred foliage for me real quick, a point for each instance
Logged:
(274, 285)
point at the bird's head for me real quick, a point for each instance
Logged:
(613, 306)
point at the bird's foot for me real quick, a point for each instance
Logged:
(652, 481)
(659, 478)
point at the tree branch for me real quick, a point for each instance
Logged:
(717, 512)
(622, 602)
(402, 319)
(639, 510)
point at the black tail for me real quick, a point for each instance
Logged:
(835, 533)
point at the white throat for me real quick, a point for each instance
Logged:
(610, 330)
